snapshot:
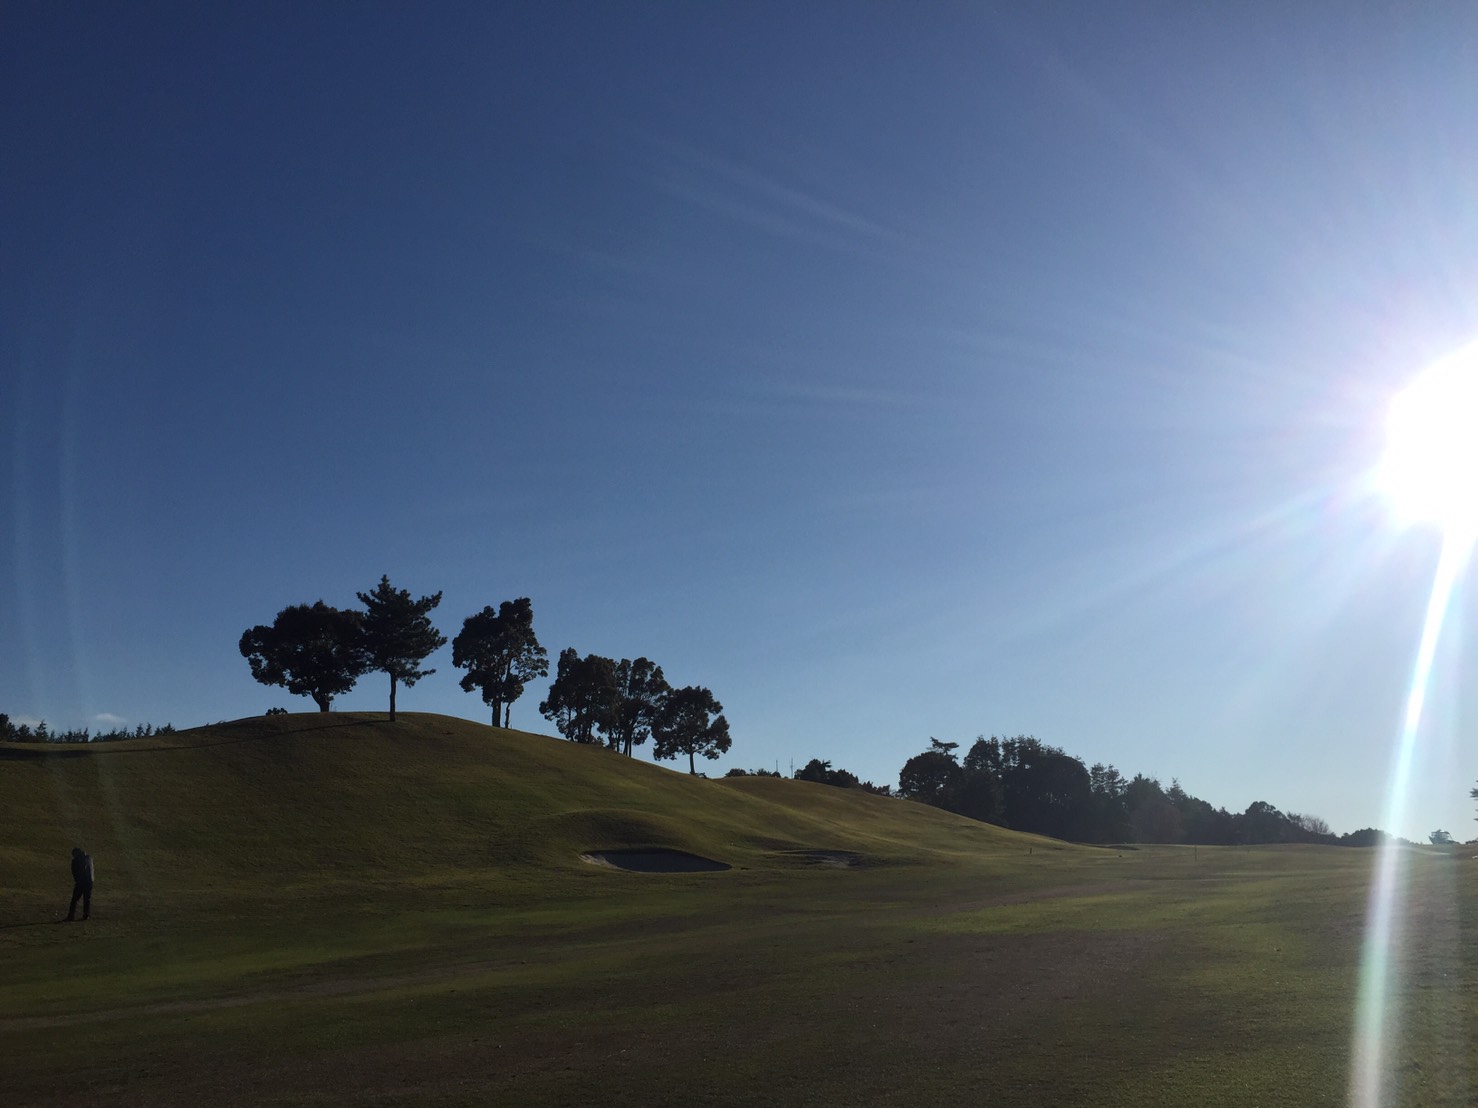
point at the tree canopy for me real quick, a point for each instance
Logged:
(583, 696)
(931, 776)
(501, 654)
(641, 691)
(311, 650)
(691, 723)
(1024, 784)
(398, 634)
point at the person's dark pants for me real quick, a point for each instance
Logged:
(84, 894)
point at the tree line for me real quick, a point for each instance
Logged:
(1024, 784)
(319, 651)
(12, 732)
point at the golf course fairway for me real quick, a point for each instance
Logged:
(336, 909)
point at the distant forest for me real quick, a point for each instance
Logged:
(1026, 785)
(25, 733)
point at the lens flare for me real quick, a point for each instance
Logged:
(1430, 475)
(1377, 1012)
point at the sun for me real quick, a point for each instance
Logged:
(1430, 468)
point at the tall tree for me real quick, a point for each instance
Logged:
(1109, 813)
(583, 696)
(500, 654)
(398, 634)
(1153, 816)
(641, 690)
(1047, 791)
(691, 723)
(312, 650)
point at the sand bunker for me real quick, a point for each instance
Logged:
(654, 861)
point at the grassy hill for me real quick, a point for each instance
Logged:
(251, 806)
(328, 909)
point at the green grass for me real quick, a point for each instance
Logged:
(328, 909)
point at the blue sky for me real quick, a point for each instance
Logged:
(896, 371)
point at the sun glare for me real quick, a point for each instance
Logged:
(1430, 469)
(1430, 475)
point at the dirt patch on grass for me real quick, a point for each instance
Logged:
(840, 859)
(660, 860)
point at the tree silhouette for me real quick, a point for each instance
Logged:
(500, 654)
(311, 650)
(641, 690)
(690, 723)
(583, 696)
(820, 771)
(398, 634)
(1153, 816)
(931, 777)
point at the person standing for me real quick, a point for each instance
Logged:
(81, 883)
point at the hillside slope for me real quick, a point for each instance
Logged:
(270, 803)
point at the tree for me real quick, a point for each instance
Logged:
(1153, 815)
(641, 690)
(1108, 820)
(1262, 823)
(978, 790)
(930, 777)
(583, 696)
(500, 654)
(1048, 791)
(1316, 828)
(821, 772)
(398, 634)
(691, 723)
(311, 650)
(815, 770)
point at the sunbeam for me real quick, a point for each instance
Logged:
(1428, 475)
(1377, 1011)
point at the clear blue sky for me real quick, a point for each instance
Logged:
(894, 370)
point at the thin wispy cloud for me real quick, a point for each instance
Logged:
(741, 193)
(830, 396)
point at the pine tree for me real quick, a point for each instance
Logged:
(398, 634)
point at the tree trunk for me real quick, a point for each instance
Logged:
(692, 769)
(392, 698)
(322, 700)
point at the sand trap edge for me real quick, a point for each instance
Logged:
(654, 860)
